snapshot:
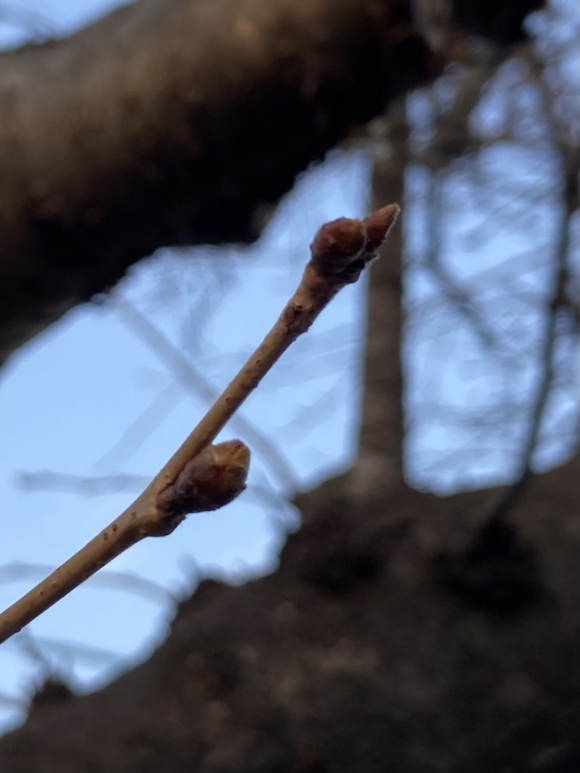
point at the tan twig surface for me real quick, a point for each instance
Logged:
(190, 377)
(199, 476)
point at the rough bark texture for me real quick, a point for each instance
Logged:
(183, 122)
(401, 638)
(175, 122)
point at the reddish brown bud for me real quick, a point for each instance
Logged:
(378, 224)
(209, 481)
(343, 248)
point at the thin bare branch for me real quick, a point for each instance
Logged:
(190, 377)
(138, 430)
(84, 485)
(199, 476)
(109, 579)
(456, 295)
(557, 300)
(74, 651)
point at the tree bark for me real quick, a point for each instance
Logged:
(182, 122)
(175, 122)
(379, 466)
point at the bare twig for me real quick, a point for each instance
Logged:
(109, 579)
(138, 430)
(189, 376)
(200, 476)
(558, 299)
(205, 481)
(84, 485)
(546, 360)
(453, 292)
(104, 485)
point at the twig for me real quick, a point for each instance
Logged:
(514, 492)
(142, 426)
(84, 485)
(117, 580)
(556, 301)
(453, 292)
(66, 651)
(189, 376)
(199, 476)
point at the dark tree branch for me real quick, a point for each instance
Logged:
(183, 122)
(454, 294)
(557, 299)
(175, 122)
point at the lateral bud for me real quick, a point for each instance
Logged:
(212, 479)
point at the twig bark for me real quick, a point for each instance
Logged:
(199, 476)
(186, 373)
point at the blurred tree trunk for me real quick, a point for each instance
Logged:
(379, 467)
(392, 637)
